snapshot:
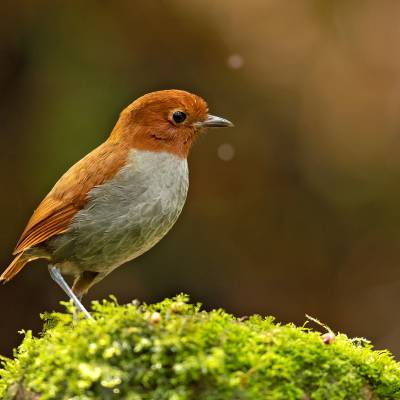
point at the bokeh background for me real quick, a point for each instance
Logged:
(296, 210)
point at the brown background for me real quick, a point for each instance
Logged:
(304, 218)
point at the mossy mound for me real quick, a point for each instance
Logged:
(175, 351)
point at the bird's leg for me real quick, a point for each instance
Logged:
(83, 282)
(58, 278)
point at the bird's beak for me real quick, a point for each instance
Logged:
(214, 122)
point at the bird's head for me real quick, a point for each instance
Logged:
(167, 120)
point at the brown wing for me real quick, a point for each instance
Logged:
(52, 218)
(69, 195)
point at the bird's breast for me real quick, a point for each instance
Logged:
(128, 214)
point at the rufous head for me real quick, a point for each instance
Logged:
(167, 120)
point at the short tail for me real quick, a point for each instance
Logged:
(17, 264)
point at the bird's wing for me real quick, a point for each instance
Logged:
(69, 195)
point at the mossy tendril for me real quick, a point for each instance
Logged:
(173, 350)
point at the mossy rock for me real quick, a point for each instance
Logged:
(174, 351)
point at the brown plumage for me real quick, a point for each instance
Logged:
(68, 196)
(145, 128)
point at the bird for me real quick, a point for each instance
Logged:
(119, 200)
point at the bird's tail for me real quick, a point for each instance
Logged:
(17, 264)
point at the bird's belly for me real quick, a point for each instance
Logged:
(126, 216)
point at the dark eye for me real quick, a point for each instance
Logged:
(178, 116)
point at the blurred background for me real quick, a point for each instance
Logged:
(296, 210)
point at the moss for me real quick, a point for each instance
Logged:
(173, 350)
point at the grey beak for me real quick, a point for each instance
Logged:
(214, 122)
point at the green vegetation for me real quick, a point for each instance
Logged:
(174, 351)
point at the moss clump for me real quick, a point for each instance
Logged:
(175, 351)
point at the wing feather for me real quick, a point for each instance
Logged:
(54, 224)
(69, 195)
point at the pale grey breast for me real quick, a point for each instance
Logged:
(125, 216)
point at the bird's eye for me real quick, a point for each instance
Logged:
(178, 116)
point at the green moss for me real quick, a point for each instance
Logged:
(175, 351)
